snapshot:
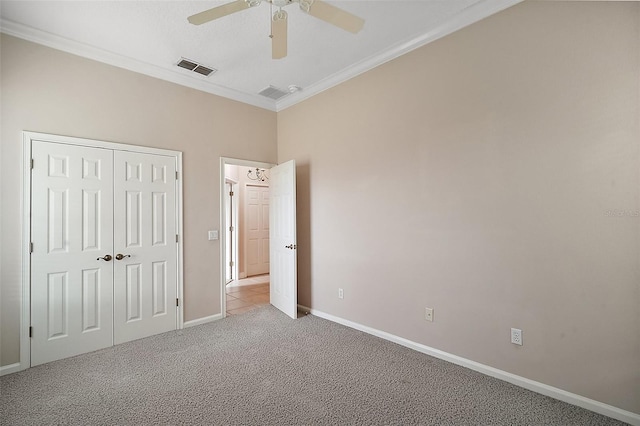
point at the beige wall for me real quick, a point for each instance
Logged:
(49, 91)
(474, 176)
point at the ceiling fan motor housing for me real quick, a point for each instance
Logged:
(280, 3)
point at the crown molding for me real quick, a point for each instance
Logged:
(466, 17)
(80, 49)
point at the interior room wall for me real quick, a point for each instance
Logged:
(49, 91)
(493, 176)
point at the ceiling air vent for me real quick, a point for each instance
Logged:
(196, 67)
(273, 93)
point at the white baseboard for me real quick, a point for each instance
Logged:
(532, 385)
(14, 368)
(201, 321)
(11, 368)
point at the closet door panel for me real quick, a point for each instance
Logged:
(71, 231)
(145, 229)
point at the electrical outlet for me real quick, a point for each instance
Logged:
(516, 336)
(428, 314)
(340, 293)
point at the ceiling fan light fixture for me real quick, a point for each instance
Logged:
(280, 3)
(305, 5)
(316, 8)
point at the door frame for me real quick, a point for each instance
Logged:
(223, 222)
(234, 234)
(25, 302)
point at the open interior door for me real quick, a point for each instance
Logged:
(282, 237)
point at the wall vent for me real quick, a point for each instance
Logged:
(274, 93)
(196, 67)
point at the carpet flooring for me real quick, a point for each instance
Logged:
(262, 368)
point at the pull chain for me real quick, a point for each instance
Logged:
(271, 19)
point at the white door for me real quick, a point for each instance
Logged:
(145, 236)
(284, 280)
(104, 260)
(257, 229)
(72, 235)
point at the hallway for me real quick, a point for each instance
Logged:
(246, 294)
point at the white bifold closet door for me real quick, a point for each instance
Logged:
(103, 266)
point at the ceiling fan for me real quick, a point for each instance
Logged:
(317, 8)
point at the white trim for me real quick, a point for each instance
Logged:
(204, 320)
(11, 368)
(25, 305)
(72, 140)
(180, 229)
(27, 139)
(223, 223)
(464, 18)
(532, 385)
(177, 76)
(233, 213)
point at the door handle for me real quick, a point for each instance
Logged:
(121, 256)
(291, 246)
(106, 258)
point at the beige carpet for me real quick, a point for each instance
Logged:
(262, 368)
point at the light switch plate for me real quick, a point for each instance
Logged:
(213, 235)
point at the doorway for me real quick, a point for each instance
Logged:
(280, 216)
(246, 229)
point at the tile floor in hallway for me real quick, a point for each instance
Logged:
(246, 294)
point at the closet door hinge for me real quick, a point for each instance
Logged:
(177, 239)
(30, 247)
(231, 194)
(177, 302)
(176, 175)
(30, 331)
(231, 229)
(231, 263)
(32, 164)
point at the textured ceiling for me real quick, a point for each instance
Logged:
(152, 36)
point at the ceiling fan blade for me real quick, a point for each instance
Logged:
(333, 15)
(218, 12)
(279, 35)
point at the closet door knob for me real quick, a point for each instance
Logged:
(106, 258)
(121, 256)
